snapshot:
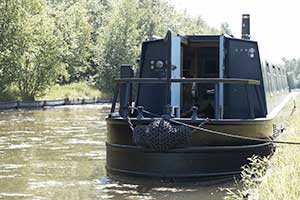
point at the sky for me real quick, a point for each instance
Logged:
(275, 24)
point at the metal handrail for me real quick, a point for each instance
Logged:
(189, 80)
(217, 81)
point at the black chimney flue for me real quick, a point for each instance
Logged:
(246, 26)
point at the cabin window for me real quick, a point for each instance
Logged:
(279, 79)
(272, 77)
(282, 83)
(275, 80)
(268, 78)
(268, 67)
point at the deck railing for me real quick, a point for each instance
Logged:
(126, 83)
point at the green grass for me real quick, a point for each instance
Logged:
(279, 177)
(73, 90)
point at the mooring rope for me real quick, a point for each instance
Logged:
(222, 133)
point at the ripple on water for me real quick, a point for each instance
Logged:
(3, 194)
(78, 141)
(19, 146)
(36, 139)
(95, 155)
(42, 184)
(10, 176)
(106, 196)
(58, 148)
(11, 166)
(79, 128)
(14, 132)
(173, 190)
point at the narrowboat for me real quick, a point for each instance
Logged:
(166, 118)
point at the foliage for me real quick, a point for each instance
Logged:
(43, 42)
(187, 25)
(10, 93)
(11, 39)
(32, 61)
(225, 28)
(72, 23)
(252, 174)
(119, 43)
(292, 67)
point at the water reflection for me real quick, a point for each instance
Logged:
(59, 153)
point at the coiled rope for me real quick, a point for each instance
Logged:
(222, 133)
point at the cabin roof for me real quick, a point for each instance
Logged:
(196, 38)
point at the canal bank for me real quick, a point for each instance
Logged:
(49, 103)
(279, 177)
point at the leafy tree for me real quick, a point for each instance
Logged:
(11, 39)
(187, 25)
(292, 67)
(152, 18)
(99, 15)
(33, 58)
(225, 28)
(120, 43)
(156, 16)
(72, 23)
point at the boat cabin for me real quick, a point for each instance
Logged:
(220, 75)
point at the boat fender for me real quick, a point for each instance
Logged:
(161, 135)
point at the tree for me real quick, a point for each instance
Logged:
(31, 62)
(292, 67)
(188, 25)
(72, 23)
(151, 18)
(11, 39)
(225, 28)
(120, 43)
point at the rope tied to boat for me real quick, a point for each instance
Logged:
(219, 132)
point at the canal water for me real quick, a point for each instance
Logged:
(59, 153)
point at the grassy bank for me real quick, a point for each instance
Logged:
(279, 177)
(73, 90)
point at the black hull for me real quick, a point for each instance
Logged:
(207, 156)
(191, 162)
